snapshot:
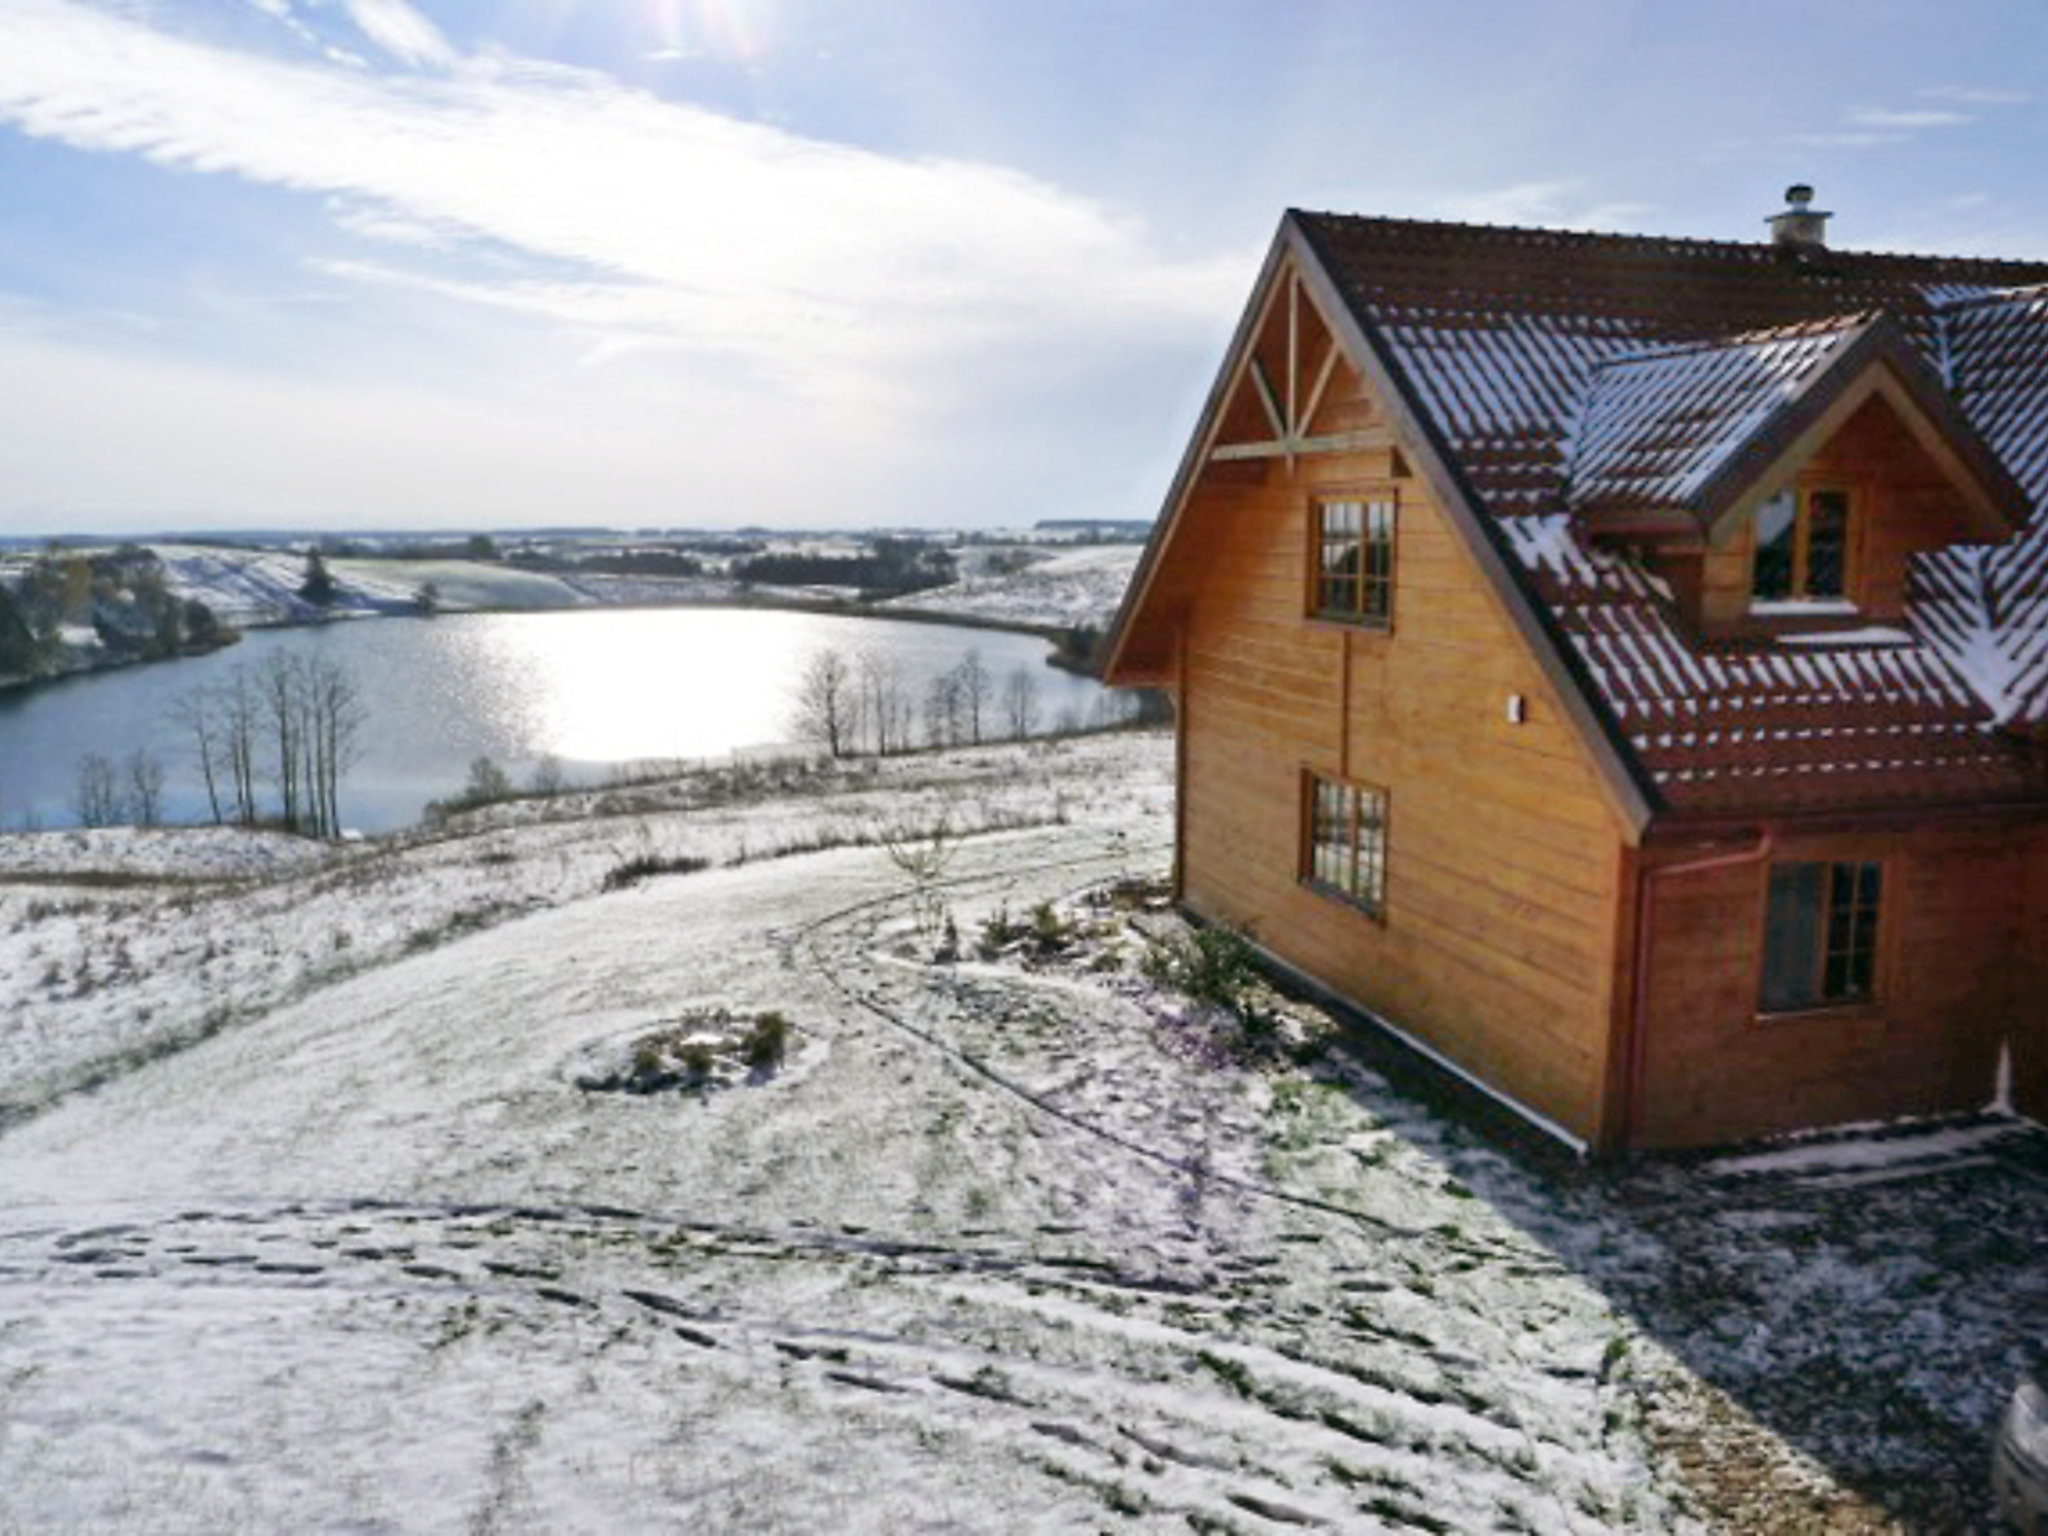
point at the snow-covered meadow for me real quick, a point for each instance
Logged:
(311, 1218)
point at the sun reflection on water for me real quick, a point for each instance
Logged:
(617, 687)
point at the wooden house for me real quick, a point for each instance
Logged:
(1620, 665)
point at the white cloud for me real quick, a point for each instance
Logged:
(1548, 204)
(667, 220)
(548, 296)
(1846, 139)
(401, 31)
(1977, 95)
(1881, 119)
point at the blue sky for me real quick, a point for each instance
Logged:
(374, 263)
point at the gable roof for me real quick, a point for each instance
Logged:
(1543, 381)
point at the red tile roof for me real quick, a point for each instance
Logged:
(1566, 373)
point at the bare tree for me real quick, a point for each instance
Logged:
(549, 776)
(308, 714)
(193, 713)
(826, 702)
(1020, 701)
(884, 708)
(145, 788)
(333, 715)
(96, 797)
(942, 710)
(488, 782)
(975, 688)
(278, 699)
(236, 703)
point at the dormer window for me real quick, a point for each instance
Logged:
(1802, 547)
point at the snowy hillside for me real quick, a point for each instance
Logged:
(342, 1188)
(1070, 587)
(247, 587)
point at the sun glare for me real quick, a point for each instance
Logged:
(591, 690)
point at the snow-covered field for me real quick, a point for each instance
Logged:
(312, 1216)
(1071, 586)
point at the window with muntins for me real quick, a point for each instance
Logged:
(1820, 935)
(1347, 842)
(1354, 580)
(1802, 547)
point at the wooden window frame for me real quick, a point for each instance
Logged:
(1360, 878)
(1363, 596)
(1799, 580)
(1862, 953)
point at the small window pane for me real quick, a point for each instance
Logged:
(1340, 559)
(1776, 524)
(1347, 841)
(1354, 560)
(1827, 542)
(1792, 937)
(1820, 935)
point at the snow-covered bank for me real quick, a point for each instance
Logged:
(993, 1248)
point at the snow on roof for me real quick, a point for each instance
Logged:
(1655, 428)
(1565, 372)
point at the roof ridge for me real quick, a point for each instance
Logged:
(1661, 244)
(1848, 320)
(1945, 304)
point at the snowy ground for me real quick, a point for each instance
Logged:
(310, 1219)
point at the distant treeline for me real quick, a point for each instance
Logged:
(890, 568)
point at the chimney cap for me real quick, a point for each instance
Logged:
(1800, 228)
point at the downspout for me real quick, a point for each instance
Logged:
(1646, 942)
(1180, 759)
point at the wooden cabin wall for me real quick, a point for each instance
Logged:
(1496, 946)
(1907, 505)
(1957, 942)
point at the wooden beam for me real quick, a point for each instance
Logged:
(1290, 447)
(1293, 354)
(1268, 400)
(1315, 394)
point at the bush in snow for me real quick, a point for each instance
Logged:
(1216, 966)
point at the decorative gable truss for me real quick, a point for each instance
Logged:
(1294, 392)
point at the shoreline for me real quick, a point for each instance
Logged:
(1053, 634)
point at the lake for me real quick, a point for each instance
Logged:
(593, 688)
